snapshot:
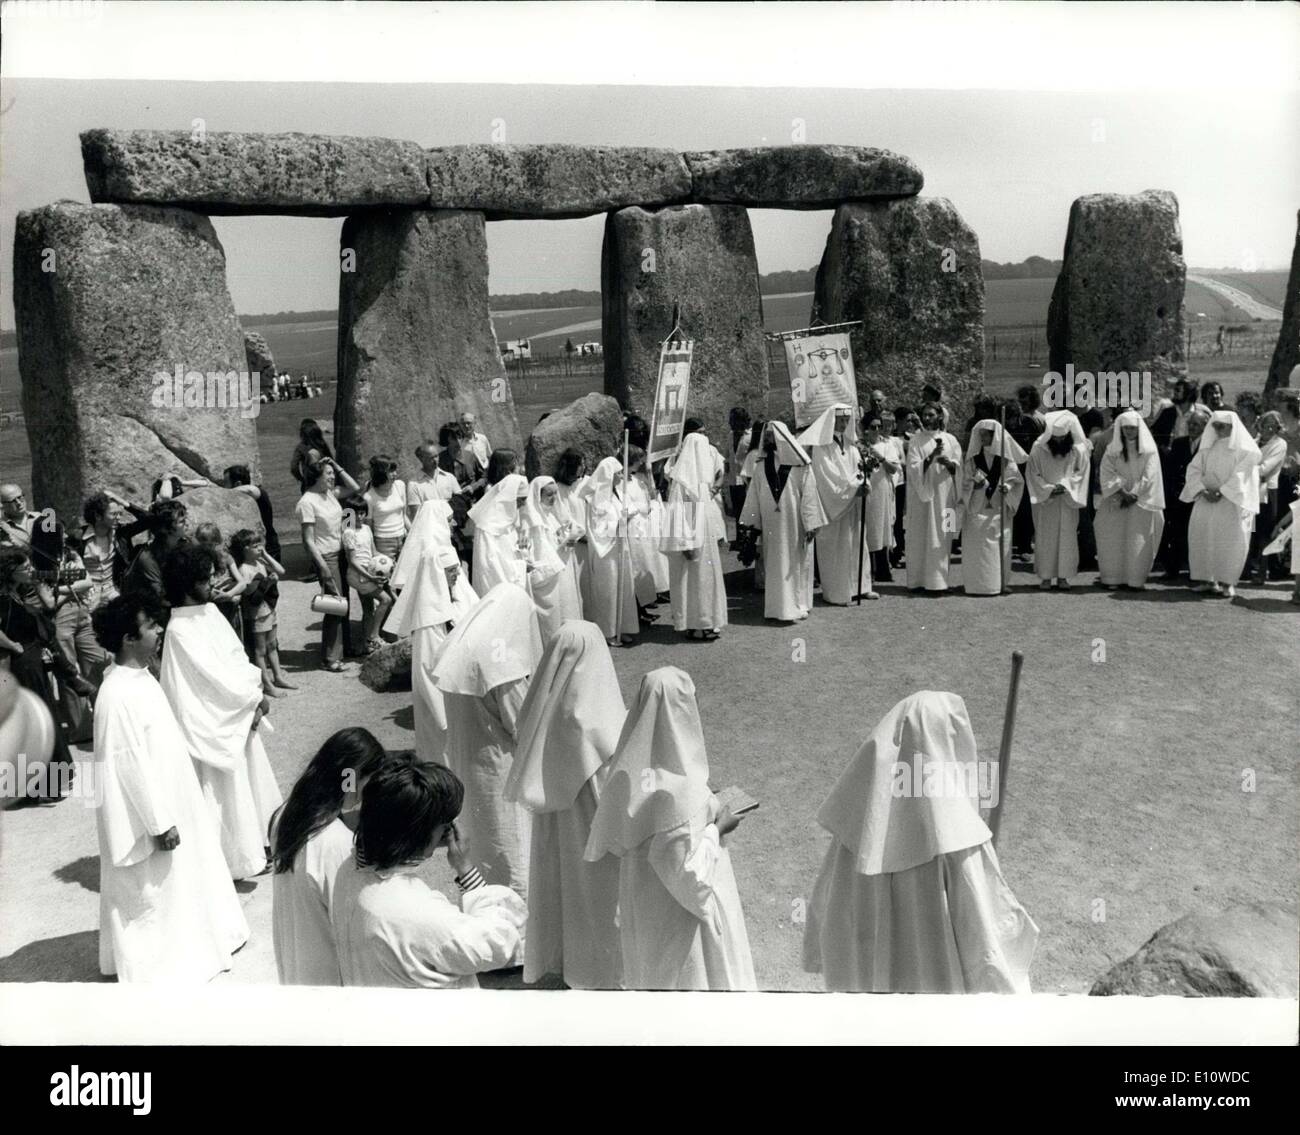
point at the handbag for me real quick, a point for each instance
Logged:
(335, 605)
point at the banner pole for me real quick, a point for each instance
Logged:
(1002, 505)
(618, 549)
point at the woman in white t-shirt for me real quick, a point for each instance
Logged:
(321, 516)
(386, 497)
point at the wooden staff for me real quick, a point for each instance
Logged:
(1002, 504)
(862, 529)
(1004, 752)
(618, 550)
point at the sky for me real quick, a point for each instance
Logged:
(1011, 161)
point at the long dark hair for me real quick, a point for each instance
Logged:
(401, 808)
(317, 798)
(501, 464)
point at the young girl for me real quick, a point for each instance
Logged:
(368, 571)
(227, 584)
(259, 572)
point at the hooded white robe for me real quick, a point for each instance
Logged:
(214, 692)
(842, 540)
(572, 507)
(305, 952)
(680, 917)
(881, 500)
(430, 528)
(395, 930)
(552, 582)
(694, 523)
(785, 523)
(983, 538)
(568, 729)
(1218, 533)
(610, 601)
(933, 518)
(1056, 518)
(910, 898)
(164, 916)
(483, 675)
(497, 530)
(645, 522)
(1129, 537)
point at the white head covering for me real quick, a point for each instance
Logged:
(1058, 423)
(660, 776)
(1239, 440)
(498, 509)
(822, 431)
(536, 513)
(570, 721)
(889, 833)
(431, 528)
(497, 642)
(694, 466)
(788, 450)
(1239, 480)
(1145, 443)
(1150, 489)
(605, 506)
(426, 600)
(1000, 439)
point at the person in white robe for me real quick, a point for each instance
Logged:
(680, 918)
(1223, 488)
(500, 538)
(217, 697)
(570, 481)
(934, 494)
(552, 582)
(483, 675)
(168, 911)
(994, 490)
(695, 537)
(887, 463)
(1057, 478)
(311, 839)
(391, 927)
(910, 897)
(1130, 516)
(831, 442)
(610, 601)
(568, 730)
(645, 524)
(430, 527)
(782, 502)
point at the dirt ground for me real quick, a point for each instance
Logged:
(1140, 716)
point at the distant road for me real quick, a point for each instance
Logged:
(1235, 296)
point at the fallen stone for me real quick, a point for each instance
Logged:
(554, 180)
(1118, 301)
(416, 340)
(593, 425)
(909, 268)
(112, 302)
(388, 667)
(800, 177)
(1287, 352)
(310, 175)
(701, 256)
(1248, 951)
(258, 353)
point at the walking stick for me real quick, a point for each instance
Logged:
(618, 551)
(1002, 505)
(862, 533)
(1004, 752)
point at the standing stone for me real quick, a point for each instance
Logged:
(702, 257)
(593, 425)
(1287, 352)
(416, 344)
(800, 177)
(1118, 302)
(112, 303)
(910, 270)
(258, 353)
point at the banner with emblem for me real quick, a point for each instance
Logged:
(669, 413)
(820, 367)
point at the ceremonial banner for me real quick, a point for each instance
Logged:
(669, 414)
(821, 374)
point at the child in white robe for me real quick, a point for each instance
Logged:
(991, 471)
(568, 730)
(572, 507)
(610, 601)
(552, 582)
(1131, 513)
(910, 898)
(168, 909)
(680, 917)
(934, 499)
(1058, 489)
(483, 674)
(831, 442)
(694, 538)
(1223, 481)
(311, 838)
(500, 538)
(391, 927)
(881, 501)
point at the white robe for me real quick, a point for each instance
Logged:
(496, 559)
(573, 507)
(1218, 532)
(305, 953)
(950, 925)
(680, 915)
(933, 511)
(394, 930)
(552, 581)
(1128, 538)
(981, 542)
(787, 553)
(1056, 518)
(842, 541)
(164, 916)
(610, 573)
(645, 521)
(214, 692)
(480, 747)
(693, 522)
(882, 501)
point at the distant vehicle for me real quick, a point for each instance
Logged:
(516, 349)
(590, 349)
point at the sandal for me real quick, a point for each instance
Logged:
(333, 667)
